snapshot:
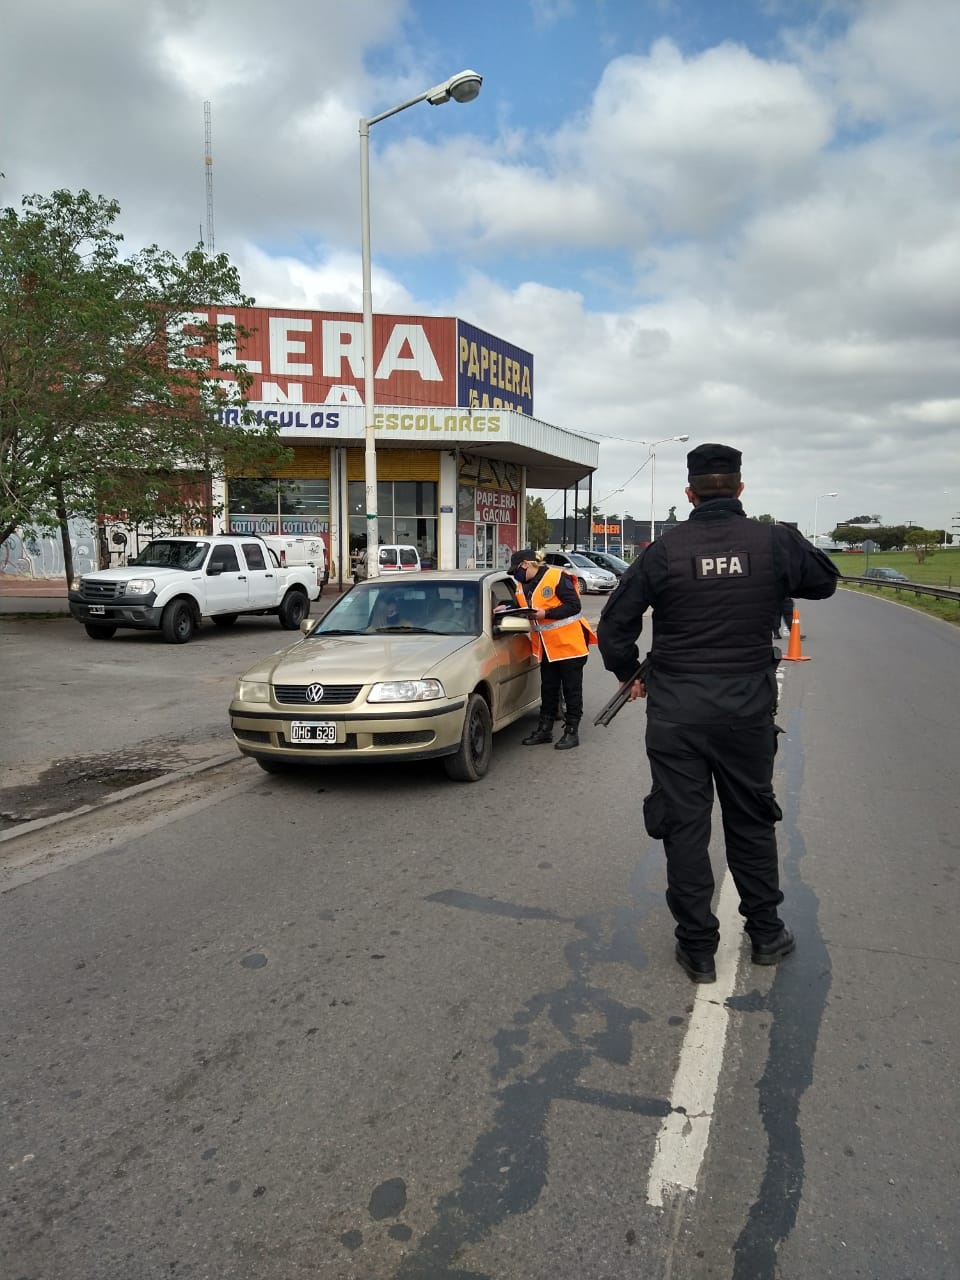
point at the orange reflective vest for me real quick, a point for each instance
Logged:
(563, 638)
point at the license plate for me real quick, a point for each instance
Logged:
(304, 731)
(98, 609)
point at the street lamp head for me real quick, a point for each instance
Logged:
(463, 87)
(681, 438)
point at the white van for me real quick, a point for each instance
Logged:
(294, 552)
(392, 558)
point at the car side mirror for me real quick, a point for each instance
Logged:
(214, 570)
(510, 623)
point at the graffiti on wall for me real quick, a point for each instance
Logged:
(40, 555)
(29, 555)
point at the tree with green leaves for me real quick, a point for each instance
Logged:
(851, 534)
(109, 399)
(538, 523)
(923, 542)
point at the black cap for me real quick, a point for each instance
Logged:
(525, 553)
(713, 460)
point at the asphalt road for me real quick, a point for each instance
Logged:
(381, 1026)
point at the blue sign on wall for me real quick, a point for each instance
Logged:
(491, 373)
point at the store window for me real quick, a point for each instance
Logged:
(406, 513)
(277, 505)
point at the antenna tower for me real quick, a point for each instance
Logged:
(208, 169)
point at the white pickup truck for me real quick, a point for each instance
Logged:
(174, 582)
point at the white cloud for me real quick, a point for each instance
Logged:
(693, 140)
(898, 59)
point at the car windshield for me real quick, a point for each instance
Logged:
(614, 560)
(169, 554)
(435, 608)
(583, 562)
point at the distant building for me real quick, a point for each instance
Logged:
(621, 537)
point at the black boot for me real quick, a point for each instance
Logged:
(542, 733)
(570, 736)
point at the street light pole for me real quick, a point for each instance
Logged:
(816, 514)
(463, 87)
(653, 468)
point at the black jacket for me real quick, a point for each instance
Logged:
(713, 663)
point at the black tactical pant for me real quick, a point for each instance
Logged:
(567, 674)
(686, 761)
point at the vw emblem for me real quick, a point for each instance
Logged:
(314, 692)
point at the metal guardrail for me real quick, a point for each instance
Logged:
(918, 589)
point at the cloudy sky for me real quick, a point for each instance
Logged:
(733, 219)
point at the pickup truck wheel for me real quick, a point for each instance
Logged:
(472, 760)
(293, 610)
(99, 630)
(224, 619)
(177, 622)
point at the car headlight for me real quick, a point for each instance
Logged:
(139, 586)
(76, 584)
(252, 691)
(406, 691)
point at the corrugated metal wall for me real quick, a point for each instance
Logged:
(309, 463)
(397, 464)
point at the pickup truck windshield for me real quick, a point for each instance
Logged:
(162, 554)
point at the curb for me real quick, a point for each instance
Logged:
(54, 819)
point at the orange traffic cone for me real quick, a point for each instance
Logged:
(793, 653)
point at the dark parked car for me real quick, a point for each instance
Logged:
(589, 575)
(606, 560)
(888, 575)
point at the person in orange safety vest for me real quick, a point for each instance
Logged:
(561, 640)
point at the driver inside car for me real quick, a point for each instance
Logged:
(390, 611)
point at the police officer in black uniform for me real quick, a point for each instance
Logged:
(713, 582)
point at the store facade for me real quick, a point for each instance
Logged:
(457, 443)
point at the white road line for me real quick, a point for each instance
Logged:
(682, 1141)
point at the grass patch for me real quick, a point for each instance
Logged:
(942, 569)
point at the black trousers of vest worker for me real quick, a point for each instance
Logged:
(686, 761)
(567, 674)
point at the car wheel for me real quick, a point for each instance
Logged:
(224, 620)
(274, 766)
(293, 610)
(177, 622)
(582, 584)
(472, 759)
(99, 630)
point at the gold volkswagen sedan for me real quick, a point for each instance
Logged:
(403, 668)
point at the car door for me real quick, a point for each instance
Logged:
(226, 581)
(517, 681)
(262, 581)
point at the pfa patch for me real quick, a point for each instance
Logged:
(733, 564)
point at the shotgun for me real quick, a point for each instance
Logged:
(620, 697)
